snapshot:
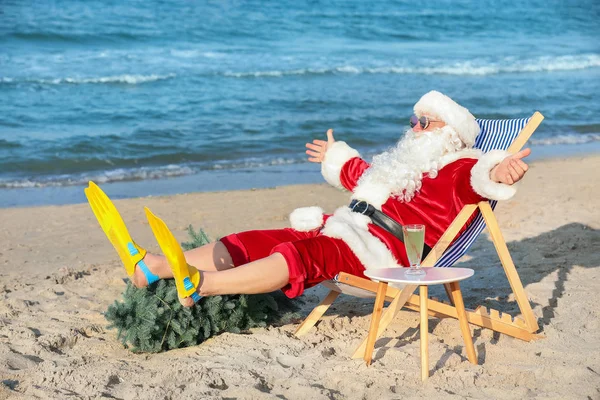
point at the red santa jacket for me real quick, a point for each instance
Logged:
(462, 179)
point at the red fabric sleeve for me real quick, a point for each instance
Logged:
(351, 171)
(461, 177)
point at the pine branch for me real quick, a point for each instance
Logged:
(144, 325)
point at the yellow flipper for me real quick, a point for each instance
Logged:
(186, 277)
(113, 226)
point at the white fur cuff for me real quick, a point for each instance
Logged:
(480, 177)
(306, 218)
(335, 158)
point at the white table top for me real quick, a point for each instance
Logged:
(433, 276)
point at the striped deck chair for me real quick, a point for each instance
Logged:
(509, 135)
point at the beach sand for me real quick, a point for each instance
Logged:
(58, 274)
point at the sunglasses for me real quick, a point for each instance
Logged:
(423, 121)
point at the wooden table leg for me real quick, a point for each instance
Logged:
(386, 318)
(464, 324)
(424, 332)
(377, 308)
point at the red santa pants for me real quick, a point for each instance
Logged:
(311, 257)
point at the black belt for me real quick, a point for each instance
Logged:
(383, 221)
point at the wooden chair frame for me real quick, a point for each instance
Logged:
(523, 328)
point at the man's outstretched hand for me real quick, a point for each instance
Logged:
(317, 149)
(511, 169)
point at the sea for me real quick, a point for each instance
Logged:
(159, 97)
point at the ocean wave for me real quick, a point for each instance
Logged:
(127, 79)
(5, 144)
(464, 68)
(116, 175)
(254, 163)
(76, 37)
(566, 139)
(120, 174)
(115, 79)
(142, 173)
(196, 54)
(540, 64)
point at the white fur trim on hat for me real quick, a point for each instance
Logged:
(480, 177)
(306, 219)
(440, 106)
(335, 158)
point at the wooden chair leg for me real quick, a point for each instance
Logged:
(381, 289)
(316, 313)
(464, 324)
(509, 266)
(449, 292)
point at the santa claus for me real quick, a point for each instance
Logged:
(426, 178)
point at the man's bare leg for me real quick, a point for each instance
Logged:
(210, 257)
(261, 276)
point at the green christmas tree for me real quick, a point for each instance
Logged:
(152, 319)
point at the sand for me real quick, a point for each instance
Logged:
(58, 274)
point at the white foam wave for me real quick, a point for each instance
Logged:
(117, 175)
(255, 163)
(143, 173)
(271, 74)
(126, 79)
(196, 54)
(567, 139)
(212, 54)
(508, 65)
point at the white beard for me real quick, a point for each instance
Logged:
(398, 171)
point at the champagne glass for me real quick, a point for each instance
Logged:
(414, 238)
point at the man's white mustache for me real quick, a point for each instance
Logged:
(420, 135)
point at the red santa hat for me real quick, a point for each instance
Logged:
(438, 105)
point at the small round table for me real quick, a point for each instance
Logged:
(433, 276)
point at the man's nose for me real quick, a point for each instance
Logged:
(417, 127)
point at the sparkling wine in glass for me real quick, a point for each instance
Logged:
(414, 238)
